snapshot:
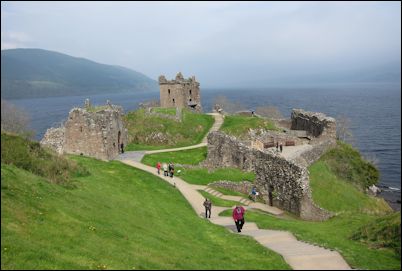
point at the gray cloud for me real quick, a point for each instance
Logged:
(221, 43)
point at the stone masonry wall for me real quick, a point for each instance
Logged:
(179, 92)
(287, 179)
(89, 132)
(316, 124)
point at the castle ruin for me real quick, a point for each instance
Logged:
(180, 92)
(92, 131)
(282, 181)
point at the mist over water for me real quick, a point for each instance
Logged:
(373, 109)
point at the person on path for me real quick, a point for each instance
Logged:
(158, 167)
(122, 147)
(171, 170)
(254, 193)
(208, 205)
(238, 217)
(281, 146)
(277, 145)
(165, 169)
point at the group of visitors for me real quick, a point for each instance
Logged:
(168, 169)
(237, 214)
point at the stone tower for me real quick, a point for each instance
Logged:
(92, 131)
(180, 92)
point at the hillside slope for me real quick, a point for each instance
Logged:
(117, 217)
(31, 73)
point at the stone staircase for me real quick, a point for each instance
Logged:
(217, 194)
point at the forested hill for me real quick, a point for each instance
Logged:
(31, 73)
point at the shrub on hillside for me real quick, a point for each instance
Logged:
(347, 163)
(32, 157)
(383, 232)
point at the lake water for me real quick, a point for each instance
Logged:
(373, 109)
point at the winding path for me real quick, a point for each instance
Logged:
(299, 255)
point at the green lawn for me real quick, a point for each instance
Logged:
(149, 132)
(186, 157)
(203, 177)
(168, 111)
(239, 125)
(118, 217)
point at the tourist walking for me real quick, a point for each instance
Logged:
(208, 205)
(281, 147)
(254, 193)
(277, 145)
(158, 167)
(238, 216)
(122, 147)
(171, 170)
(165, 169)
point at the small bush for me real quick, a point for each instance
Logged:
(32, 157)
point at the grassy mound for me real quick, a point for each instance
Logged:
(346, 163)
(118, 217)
(239, 125)
(382, 232)
(32, 157)
(147, 131)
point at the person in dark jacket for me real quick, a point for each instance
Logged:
(208, 205)
(238, 217)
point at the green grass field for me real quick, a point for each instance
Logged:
(149, 132)
(239, 125)
(168, 111)
(118, 217)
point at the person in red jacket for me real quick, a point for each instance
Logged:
(238, 216)
(158, 167)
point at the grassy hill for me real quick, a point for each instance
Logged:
(150, 131)
(31, 73)
(239, 126)
(114, 217)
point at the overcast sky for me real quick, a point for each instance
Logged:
(221, 43)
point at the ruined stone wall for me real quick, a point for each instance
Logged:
(242, 187)
(179, 92)
(287, 179)
(316, 124)
(95, 134)
(54, 139)
(89, 132)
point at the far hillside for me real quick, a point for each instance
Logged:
(160, 129)
(32, 73)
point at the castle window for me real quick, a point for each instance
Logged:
(81, 129)
(169, 91)
(190, 100)
(173, 101)
(190, 91)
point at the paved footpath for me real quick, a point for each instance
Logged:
(299, 255)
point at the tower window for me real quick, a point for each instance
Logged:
(190, 100)
(168, 90)
(190, 91)
(173, 101)
(81, 129)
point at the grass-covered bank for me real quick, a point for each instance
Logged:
(150, 131)
(364, 230)
(239, 126)
(116, 217)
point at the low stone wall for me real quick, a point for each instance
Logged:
(310, 156)
(241, 187)
(287, 179)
